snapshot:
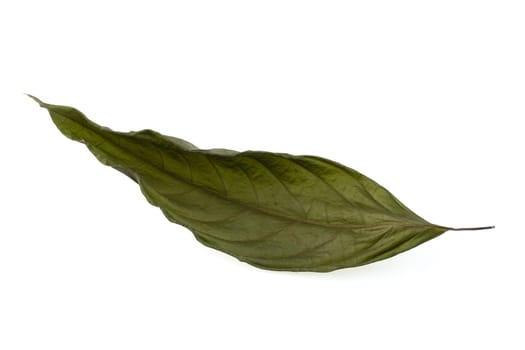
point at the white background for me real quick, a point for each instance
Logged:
(425, 97)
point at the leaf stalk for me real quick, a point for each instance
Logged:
(472, 228)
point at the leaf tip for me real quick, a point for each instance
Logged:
(37, 100)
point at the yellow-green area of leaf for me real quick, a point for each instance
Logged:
(272, 210)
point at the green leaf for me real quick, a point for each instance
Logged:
(272, 210)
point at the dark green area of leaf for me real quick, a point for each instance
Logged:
(272, 210)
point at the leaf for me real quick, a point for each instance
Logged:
(272, 210)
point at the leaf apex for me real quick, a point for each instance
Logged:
(37, 100)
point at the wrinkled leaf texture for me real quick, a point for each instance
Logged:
(272, 210)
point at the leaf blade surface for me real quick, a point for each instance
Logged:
(272, 210)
